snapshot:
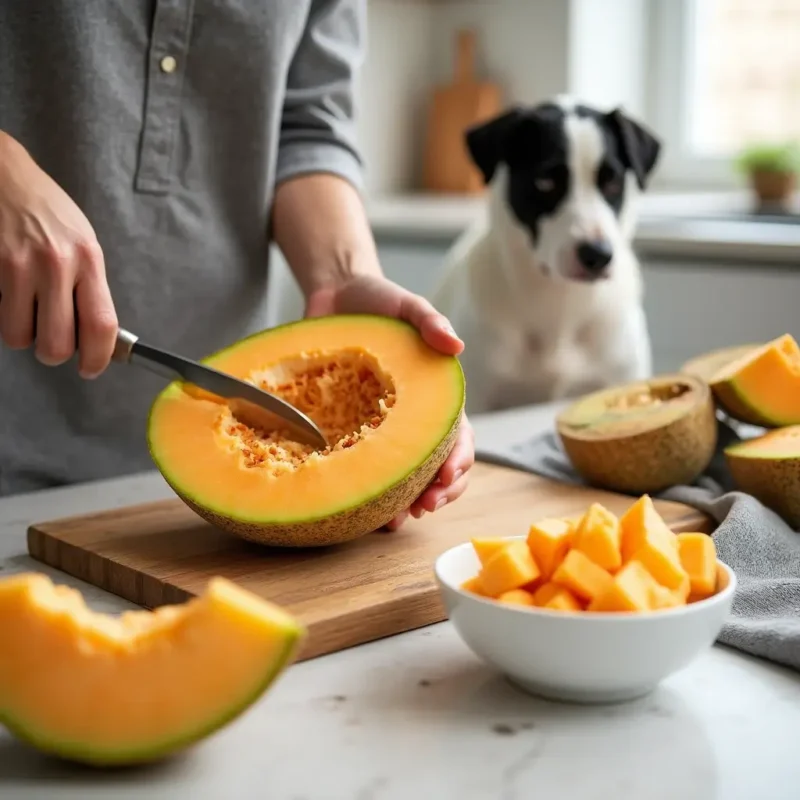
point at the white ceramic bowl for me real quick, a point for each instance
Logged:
(580, 656)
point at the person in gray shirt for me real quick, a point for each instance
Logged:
(150, 150)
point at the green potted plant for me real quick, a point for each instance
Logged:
(771, 170)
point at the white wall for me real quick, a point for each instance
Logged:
(392, 92)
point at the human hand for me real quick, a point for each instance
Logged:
(378, 295)
(51, 266)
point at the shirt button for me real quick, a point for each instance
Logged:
(168, 64)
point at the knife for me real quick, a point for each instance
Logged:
(249, 402)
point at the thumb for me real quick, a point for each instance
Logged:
(435, 328)
(320, 303)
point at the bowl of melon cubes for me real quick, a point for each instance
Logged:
(593, 609)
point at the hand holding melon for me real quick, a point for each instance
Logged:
(378, 295)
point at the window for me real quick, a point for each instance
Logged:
(725, 73)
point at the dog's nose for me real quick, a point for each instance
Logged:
(595, 255)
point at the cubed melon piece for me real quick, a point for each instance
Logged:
(517, 597)
(661, 597)
(474, 585)
(545, 592)
(698, 556)
(563, 600)
(598, 537)
(646, 537)
(578, 573)
(486, 548)
(549, 540)
(553, 595)
(511, 567)
(631, 589)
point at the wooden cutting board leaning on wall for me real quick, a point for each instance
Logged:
(455, 107)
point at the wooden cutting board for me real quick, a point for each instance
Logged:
(377, 586)
(454, 107)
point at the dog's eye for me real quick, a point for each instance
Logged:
(544, 184)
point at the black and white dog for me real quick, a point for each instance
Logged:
(545, 290)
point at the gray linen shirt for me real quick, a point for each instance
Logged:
(169, 122)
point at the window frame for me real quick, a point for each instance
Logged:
(668, 100)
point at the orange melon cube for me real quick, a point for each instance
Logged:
(545, 592)
(631, 589)
(698, 556)
(486, 548)
(646, 537)
(578, 573)
(549, 540)
(473, 585)
(598, 536)
(518, 597)
(563, 600)
(553, 595)
(511, 567)
(661, 597)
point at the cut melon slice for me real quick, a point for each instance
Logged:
(389, 404)
(101, 690)
(762, 387)
(768, 468)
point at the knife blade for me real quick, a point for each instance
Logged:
(248, 402)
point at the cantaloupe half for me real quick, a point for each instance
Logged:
(641, 437)
(762, 387)
(388, 403)
(768, 468)
(106, 690)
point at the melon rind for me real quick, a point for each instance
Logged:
(771, 476)
(653, 457)
(352, 519)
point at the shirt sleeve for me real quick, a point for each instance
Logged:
(318, 129)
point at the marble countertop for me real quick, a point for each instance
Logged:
(672, 225)
(418, 713)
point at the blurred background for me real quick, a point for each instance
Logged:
(717, 80)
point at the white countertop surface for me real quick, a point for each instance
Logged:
(675, 225)
(418, 713)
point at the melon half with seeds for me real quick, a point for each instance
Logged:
(111, 691)
(768, 468)
(642, 437)
(388, 404)
(762, 387)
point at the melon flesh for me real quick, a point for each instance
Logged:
(388, 404)
(763, 386)
(118, 690)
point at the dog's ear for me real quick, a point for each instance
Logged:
(639, 147)
(486, 141)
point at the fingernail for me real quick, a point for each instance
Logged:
(439, 503)
(456, 475)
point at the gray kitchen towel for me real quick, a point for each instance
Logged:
(756, 543)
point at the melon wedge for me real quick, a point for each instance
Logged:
(102, 690)
(388, 403)
(768, 468)
(762, 387)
